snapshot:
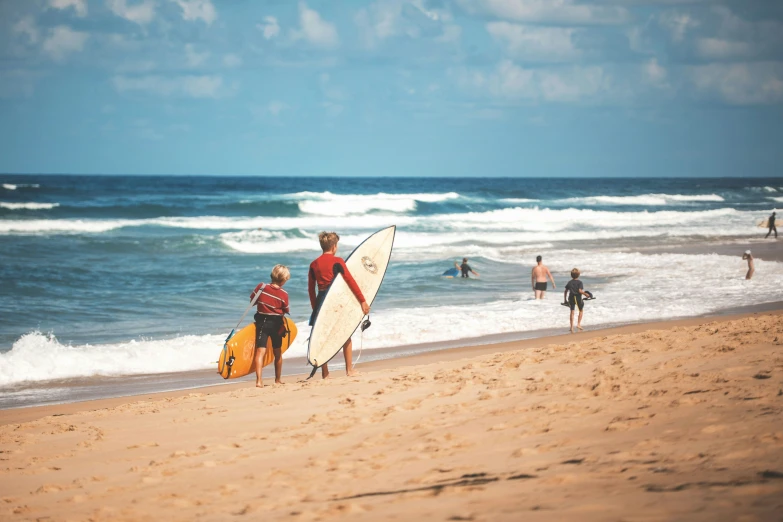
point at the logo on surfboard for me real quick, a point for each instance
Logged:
(369, 265)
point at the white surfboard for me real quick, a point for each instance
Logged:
(340, 312)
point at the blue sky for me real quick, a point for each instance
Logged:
(392, 88)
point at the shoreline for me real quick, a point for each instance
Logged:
(47, 393)
(409, 359)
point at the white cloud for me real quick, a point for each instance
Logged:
(656, 74)
(16, 83)
(385, 19)
(140, 12)
(315, 29)
(736, 38)
(717, 48)
(548, 11)
(27, 27)
(276, 107)
(194, 58)
(740, 83)
(193, 10)
(207, 86)
(677, 24)
(270, 28)
(232, 60)
(80, 6)
(62, 41)
(535, 43)
(333, 109)
(561, 85)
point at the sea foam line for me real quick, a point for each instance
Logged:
(28, 206)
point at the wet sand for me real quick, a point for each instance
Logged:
(673, 421)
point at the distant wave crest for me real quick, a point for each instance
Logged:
(645, 199)
(28, 206)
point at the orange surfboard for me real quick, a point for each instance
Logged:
(236, 358)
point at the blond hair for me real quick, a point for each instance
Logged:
(280, 274)
(328, 240)
(575, 273)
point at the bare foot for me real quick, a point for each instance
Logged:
(325, 376)
(572, 330)
(259, 384)
(352, 373)
(580, 328)
(279, 382)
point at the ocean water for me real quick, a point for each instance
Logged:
(120, 276)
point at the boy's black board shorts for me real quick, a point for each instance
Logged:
(541, 286)
(269, 327)
(575, 300)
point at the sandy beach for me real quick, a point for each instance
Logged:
(671, 421)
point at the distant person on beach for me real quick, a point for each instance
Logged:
(538, 278)
(749, 257)
(271, 306)
(322, 272)
(574, 290)
(772, 228)
(465, 268)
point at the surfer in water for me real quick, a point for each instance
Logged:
(322, 272)
(465, 268)
(772, 227)
(538, 277)
(271, 306)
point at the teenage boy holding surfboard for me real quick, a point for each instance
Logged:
(321, 274)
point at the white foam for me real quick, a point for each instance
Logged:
(61, 226)
(779, 199)
(644, 200)
(328, 204)
(11, 186)
(515, 201)
(511, 225)
(770, 189)
(39, 357)
(28, 206)
(268, 242)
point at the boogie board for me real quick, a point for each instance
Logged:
(242, 347)
(764, 223)
(451, 272)
(589, 298)
(340, 312)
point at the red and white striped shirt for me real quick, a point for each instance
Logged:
(272, 301)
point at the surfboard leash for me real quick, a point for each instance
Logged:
(365, 325)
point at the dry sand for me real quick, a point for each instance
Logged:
(682, 422)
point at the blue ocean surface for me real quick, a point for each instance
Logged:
(118, 276)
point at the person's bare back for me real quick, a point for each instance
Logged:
(538, 275)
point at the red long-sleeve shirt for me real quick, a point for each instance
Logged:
(323, 271)
(272, 301)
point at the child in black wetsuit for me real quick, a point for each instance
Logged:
(573, 296)
(465, 268)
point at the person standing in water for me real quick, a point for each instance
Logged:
(772, 228)
(749, 257)
(538, 278)
(465, 268)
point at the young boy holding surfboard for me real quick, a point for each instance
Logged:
(321, 274)
(271, 306)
